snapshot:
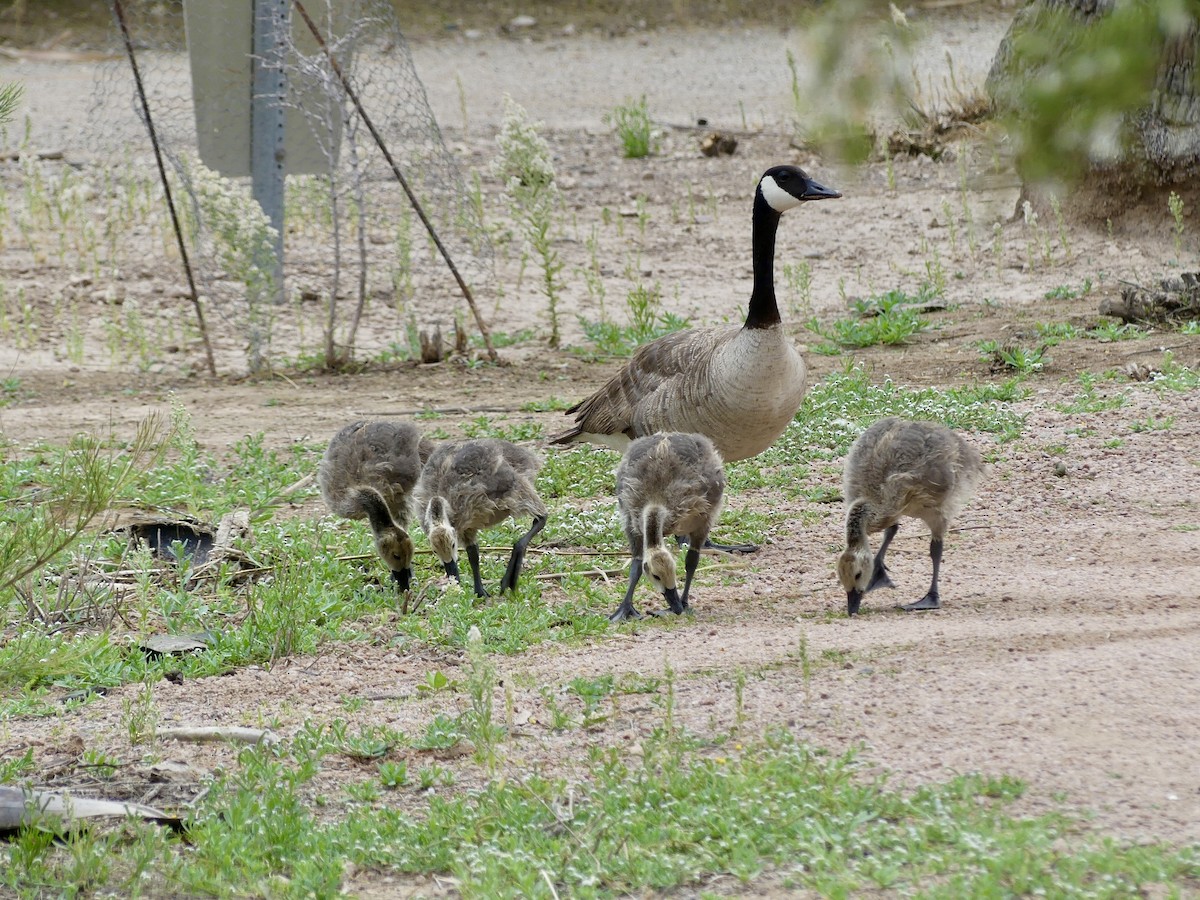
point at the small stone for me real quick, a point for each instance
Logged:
(1060, 468)
(521, 21)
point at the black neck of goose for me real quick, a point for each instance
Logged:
(764, 310)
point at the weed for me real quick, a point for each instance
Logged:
(393, 774)
(798, 278)
(478, 722)
(884, 319)
(524, 166)
(647, 321)
(1066, 292)
(1053, 333)
(1088, 401)
(1152, 423)
(1175, 204)
(1022, 360)
(631, 121)
(140, 715)
(1115, 331)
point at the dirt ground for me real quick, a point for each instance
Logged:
(1066, 651)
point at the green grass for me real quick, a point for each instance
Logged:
(839, 408)
(683, 811)
(887, 318)
(687, 809)
(631, 122)
(647, 321)
(1022, 360)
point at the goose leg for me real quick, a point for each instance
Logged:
(473, 559)
(879, 575)
(931, 599)
(625, 610)
(509, 581)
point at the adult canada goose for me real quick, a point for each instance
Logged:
(369, 471)
(476, 484)
(740, 386)
(900, 468)
(667, 484)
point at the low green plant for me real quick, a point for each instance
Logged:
(1053, 333)
(887, 318)
(1112, 330)
(647, 321)
(631, 121)
(1066, 292)
(1022, 360)
(1088, 400)
(393, 775)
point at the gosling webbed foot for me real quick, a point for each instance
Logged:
(513, 572)
(624, 613)
(879, 579)
(929, 601)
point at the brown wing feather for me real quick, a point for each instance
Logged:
(655, 367)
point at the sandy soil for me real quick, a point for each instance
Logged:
(1065, 653)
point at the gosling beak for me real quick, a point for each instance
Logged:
(673, 601)
(853, 601)
(814, 191)
(402, 577)
(452, 569)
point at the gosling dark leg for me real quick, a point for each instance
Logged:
(879, 574)
(626, 610)
(931, 599)
(690, 561)
(473, 559)
(513, 572)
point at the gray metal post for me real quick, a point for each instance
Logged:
(272, 22)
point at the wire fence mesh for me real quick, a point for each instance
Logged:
(354, 250)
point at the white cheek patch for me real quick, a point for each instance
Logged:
(779, 199)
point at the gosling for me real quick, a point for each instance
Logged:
(369, 471)
(476, 484)
(898, 468)
(671, 483)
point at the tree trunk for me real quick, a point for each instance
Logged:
(1130, 140)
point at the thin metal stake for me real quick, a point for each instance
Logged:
(412, 198)
(162, 174)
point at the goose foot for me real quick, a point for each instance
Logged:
(929, 601)
(624, 613)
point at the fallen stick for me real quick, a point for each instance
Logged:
(220, 733)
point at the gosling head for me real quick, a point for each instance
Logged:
(395, 547)
(659, 566)
(443, 539)
(854, 569)
(786, 187)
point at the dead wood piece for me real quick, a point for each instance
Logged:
(431, 344)
(22, 807)
(220, 733)
(1174, 301)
